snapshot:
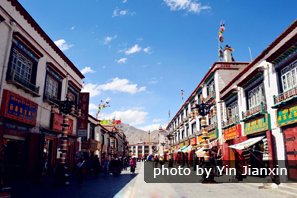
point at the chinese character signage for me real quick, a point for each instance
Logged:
(82, 126)
(287, 116)
(232, 132)
(257, 125)
(18, 108)
(213, 134)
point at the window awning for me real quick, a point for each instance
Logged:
(181, 149)
(188, 149)
(200, 152)
(247, 143)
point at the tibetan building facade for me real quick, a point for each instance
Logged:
(261, 106)
(185, 127)
(34, 74)
(253, 104)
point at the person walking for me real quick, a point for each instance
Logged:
(132, 164)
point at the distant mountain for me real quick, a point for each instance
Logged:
(135, 135)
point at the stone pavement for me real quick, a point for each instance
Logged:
(138, 188)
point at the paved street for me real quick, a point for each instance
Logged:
(129, 185)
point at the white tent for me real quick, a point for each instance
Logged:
(247, 143)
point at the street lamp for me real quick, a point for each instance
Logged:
(66, 107)
(203, 109)
(170, 138)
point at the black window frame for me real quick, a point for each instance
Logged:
(50, 72)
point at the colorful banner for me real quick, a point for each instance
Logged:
(257, 125)
(232, 132)
(82, 121)
(18, 108)
(110, 122)
(287, 116)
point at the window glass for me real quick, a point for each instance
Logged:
(288, 77)
(21, 65)
(256, 96)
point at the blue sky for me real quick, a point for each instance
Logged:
(139, 54)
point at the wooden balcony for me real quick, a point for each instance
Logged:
(231, 121)
(258, 110)
(288, 96)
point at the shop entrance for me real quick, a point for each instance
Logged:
(290, 138)
(14, 158)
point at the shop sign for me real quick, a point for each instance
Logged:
(82, 121)
(58, 121)
(194, 141)
(213, 134)
(18, 108)
(181, 144)
(199, 139)
(257, 125)
(232, 132)
(287, 116)
(85, 145)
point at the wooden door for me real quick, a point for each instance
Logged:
(290, 138)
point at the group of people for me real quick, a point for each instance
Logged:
(91, 166)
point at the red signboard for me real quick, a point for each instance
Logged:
(232, 132)
(18, 108)
(193, 141)
(82, 123)
(58, 121)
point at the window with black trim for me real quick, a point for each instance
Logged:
(256, 96)
(22, 66)
(211, 89)
(53, 85)
(73, 94)
(289, 77)
(232, 109)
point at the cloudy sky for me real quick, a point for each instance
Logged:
(139, 54)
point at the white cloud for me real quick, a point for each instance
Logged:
(147, 50)
(108, 39)
(132, 117)
(125, 1)
(152, 127)
(87, 70)
(187, 5)
(151, 82)
(117, 12)
(134, 49)
(61, 43)
(122, 60)
(116, 85)
(157, 120)
(72, 28)
(121, 85)
(93, 89)
(93, 108)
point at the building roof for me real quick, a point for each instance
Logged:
(262, 55)
(212, 69)
(40, 31)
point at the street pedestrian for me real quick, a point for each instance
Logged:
(105, 166)
(132, 164)
(81, 169)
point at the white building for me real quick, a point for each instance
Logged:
(34, 73)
